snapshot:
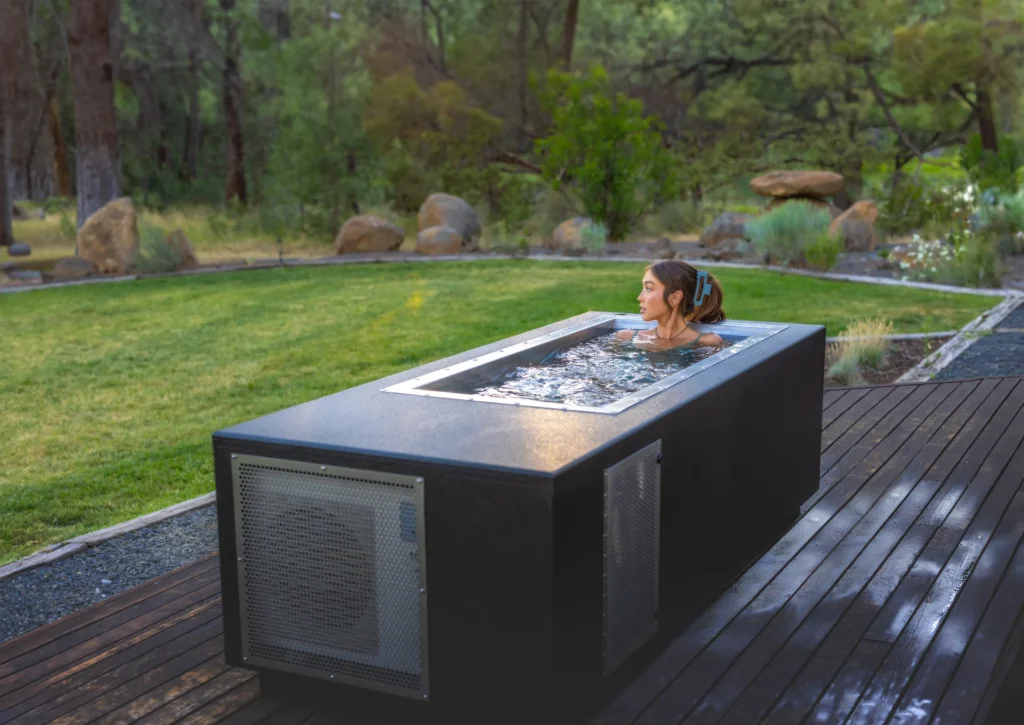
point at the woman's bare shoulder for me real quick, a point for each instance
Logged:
(625, 334)
(710, 338)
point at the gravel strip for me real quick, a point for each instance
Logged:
(1014, 320)
(41, 595)
(998, 354)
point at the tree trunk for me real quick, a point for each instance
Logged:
(569, 32)
(30, 177)
(6, 233)
(235, 187)
(190, 155)
(60, 156)
(523, 29)
(98, 164)
(986, 118)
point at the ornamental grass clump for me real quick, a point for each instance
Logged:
(863, 344)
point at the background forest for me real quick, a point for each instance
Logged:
(282, 118)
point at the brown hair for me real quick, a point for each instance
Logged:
(678, 275)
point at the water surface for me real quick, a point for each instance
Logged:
(594, 372)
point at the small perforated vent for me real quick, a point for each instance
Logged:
(632, 503)
(331, 573)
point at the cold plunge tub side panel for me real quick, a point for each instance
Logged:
(489, 580)
(737, 461)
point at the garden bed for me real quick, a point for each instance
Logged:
(901, 357)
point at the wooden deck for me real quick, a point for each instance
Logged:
(897, 597)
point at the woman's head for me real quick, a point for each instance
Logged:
(668, 289)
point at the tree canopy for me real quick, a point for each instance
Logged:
(332, 105)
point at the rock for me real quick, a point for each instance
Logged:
(25, 275)
(71, 267)
(366, 233)
(782, 184)
(177, 241)
(445, 210)
(806, 199)
(662, 249)
(439, 240)
(110, 237)
(568, 236)
(19, 249)
(21, 214)
(857, 227)
(729, 225)
(729, 249)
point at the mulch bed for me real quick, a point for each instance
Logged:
(902, 355)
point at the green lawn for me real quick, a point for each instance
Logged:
(110, 392)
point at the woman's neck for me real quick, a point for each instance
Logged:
(670, 328)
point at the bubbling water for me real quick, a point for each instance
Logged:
(594, 372)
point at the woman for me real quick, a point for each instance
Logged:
(675, 294)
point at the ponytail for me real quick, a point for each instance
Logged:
(710, 310)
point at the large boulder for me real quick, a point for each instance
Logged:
(729, 225)
(439, 240)
(72, 267)
(110, 237)
(857, 227)
(366, 233)
(182, 247)
(782, 184)
(445, 210)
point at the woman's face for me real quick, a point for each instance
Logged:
(652, 299)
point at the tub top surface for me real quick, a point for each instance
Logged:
(540, 441)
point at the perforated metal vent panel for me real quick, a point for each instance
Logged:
(632, 507)
(332, 575)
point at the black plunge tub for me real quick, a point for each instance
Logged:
(425, 552)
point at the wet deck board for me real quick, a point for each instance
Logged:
(898, 594)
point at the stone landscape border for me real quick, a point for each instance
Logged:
(402, 257)
(920, 373)
(64, 549)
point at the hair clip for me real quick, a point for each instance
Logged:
(703, 289)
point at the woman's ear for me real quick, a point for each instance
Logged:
(676, 298)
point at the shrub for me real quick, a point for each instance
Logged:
(786, 231)
(155, 254)
(824, 251)
(67, 227)
(965, 258)
(921, 207)
(594, 236)
(499, 238)
(515, 197)
(1004, 220)
(603, 145)
(977, 262)
(993, 169)
(863, 343)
